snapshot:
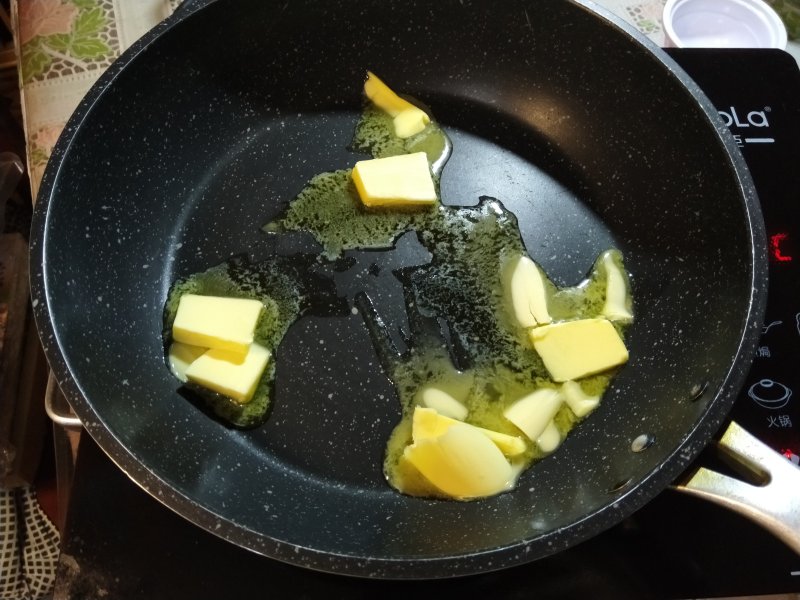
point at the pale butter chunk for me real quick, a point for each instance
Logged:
(462, 462)
(525, 289)
(408, 119)
(230, 373)
(550, 438)
(575, 349)
(428, 424)
(443, 403)
(181, 356)
(579, 401)
(403, 180)
(533, 413)
(216, 322)
(617, 304)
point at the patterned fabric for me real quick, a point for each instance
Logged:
(64, 46)
(28, 547)
(59, 40)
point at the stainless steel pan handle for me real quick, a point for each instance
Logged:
(58, 408)
(771, 499)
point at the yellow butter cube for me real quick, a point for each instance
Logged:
(403, 180)
(575, 349)
(230, 373)
(181, 356)
(462, 462)
(216, 322)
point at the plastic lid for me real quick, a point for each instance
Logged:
(722, 24)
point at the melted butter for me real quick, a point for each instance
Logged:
(329, 209)
(277, 287)
(374, 135)
(486, 362)
(500, 364)
(328, 206)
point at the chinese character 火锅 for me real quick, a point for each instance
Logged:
(781, 421)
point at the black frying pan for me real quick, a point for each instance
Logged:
(215, 120)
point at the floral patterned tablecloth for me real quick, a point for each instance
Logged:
(63, 47)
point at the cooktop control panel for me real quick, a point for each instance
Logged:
(763, 116)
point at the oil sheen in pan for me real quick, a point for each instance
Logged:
(461, 336)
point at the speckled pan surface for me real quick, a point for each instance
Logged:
(187, 145)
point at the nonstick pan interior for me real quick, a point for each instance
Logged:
(186, 147)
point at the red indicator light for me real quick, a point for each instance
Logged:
(793, 458)
(775, 247)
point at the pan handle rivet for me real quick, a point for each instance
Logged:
(698, 390)
(642, 442)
